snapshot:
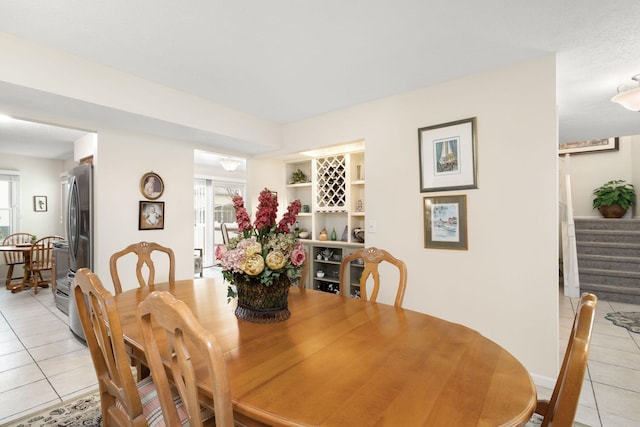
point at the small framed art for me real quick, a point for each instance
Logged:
(40, 203)
(151, 216)
(589, 146)
(151, 186)
(445, 222)
(447, 154)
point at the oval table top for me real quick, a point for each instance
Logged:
(339, 361)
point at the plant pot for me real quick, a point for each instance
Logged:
(263, 304)
(613, 211)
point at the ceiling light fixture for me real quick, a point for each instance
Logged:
(629, 96)
(229, 165)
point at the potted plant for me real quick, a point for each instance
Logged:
(614, 198)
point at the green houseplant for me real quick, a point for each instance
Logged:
(614, 198)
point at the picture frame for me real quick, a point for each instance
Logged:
(448, 156)
(151, 215)
(151, 186)
(589, 146)
(40, 203)
(445, 222)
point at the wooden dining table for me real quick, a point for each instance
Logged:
(26, 250)
(339, 361)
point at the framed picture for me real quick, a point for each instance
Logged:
(40, 203)
(445, 222)
(589, 146)
(447, 154)
(151, 186)
(151, 215)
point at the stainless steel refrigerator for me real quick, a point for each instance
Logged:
(79, 233)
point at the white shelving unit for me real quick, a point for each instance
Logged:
(335, 197)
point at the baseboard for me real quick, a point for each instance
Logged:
(542, 381)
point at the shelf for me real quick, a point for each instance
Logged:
(359, 182)
(321, 261)
(303, 214)
(299, 185)
(327, 279)
(357, 214)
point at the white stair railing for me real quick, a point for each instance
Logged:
(568, 232)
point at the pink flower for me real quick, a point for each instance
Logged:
(297, 255)
(289, 218)
(221, 250)
(267, 211)
(242, 217)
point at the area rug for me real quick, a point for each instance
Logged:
(626, 319)
(82, 411)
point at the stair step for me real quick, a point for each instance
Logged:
(594, 223)
(608, 248)
(612, 236)
(609, 262)
(609, 257)
(627, 294)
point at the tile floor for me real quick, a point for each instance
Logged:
(41, 363)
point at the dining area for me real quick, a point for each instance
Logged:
(257, 346)
(34, 256)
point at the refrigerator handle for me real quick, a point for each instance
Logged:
(72, 219)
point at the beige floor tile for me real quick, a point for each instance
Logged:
(618, 401)
(59, 334)
(20, 313)
(7, 335)
(66, 363)
(81, 378)
(64, 346)
(11, 346)
(609, 328)
(588, 415)
(616, 420)
(615, 357)
(26, 399)
(20, 376)
(14, 360)
(616, 376)
(614, 342)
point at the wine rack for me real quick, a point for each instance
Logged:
(331, 187)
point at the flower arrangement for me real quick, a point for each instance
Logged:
(265, 250)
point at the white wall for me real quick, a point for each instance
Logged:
(506, 284)
(122, 159)
(589, 171)
(38, 177)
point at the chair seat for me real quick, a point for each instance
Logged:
(153, 411)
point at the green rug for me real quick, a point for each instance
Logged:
(625, 319)
(82, 411)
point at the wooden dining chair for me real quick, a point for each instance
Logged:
(225, 233)
(11, 259)
(144, 251)
(124, 401)
(560, 410)
(372, 258)
(183, 334)
(40, 260)
(302, 282)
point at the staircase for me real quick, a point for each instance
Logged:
(609, 258)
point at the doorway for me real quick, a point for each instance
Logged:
(213, 206)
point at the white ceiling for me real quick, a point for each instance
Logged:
(286, 60)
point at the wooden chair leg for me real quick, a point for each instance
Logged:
(9, 277)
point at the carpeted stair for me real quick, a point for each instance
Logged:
(609, 258)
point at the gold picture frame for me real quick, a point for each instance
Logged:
(151, 186)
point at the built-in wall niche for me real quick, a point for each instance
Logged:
(330, 184)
